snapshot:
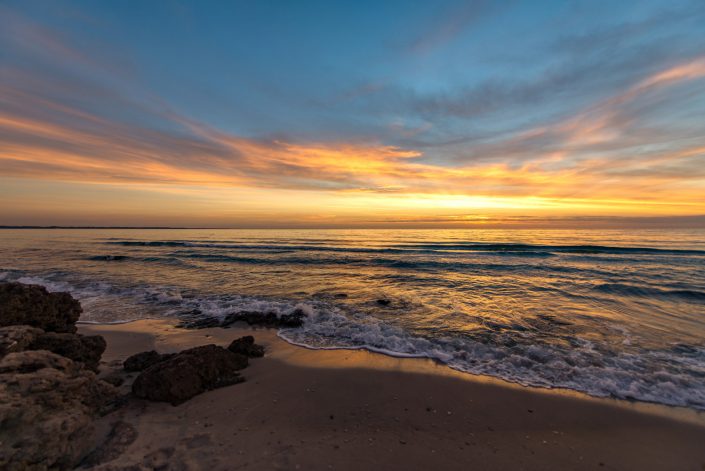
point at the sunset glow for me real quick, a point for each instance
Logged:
(86, 134)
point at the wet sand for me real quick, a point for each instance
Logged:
(351, 410)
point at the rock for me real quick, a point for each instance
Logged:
(142, 361)
(79, 348)
(47, 406)
(17, 338)
(246, 346)
(33, 305)
(189, 373)
(267, 319)
(86, 349)
(384, 302)
(200, 323)
(293, 319)
(115, 378)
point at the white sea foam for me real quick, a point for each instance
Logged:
(654, 376)
(663, 376)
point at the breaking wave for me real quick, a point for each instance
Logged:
(673, 376)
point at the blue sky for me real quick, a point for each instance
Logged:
(460, 85)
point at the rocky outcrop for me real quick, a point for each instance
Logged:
(142, 361)
(189, 373)
(266, 319)
(48, 396)
(85, 349)
(33, 305)
(246, 346)
(195, 319)
(82, 349)
(116, 378)
(47, 406)
(17, 338)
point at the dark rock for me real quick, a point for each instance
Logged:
(33, 305)
(189, 373)
(47, 407)
(79, 348)
(121, 436)
(384, 302)
(200, 323)
(266, 319)
(142, 361)
(86, 349)
(115, 378)
(246, 346)
(294, 319)
(17, 338)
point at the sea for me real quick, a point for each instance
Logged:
(611, 313)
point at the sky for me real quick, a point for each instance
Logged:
(352, 114)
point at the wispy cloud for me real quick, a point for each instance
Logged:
(90, 121)
(449, 24)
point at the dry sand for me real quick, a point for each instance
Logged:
(355, 410)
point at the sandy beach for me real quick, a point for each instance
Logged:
(351, 410)
(352, 235)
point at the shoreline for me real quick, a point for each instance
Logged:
(353, 402)
(421, 364)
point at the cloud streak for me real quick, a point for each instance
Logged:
(90, 122)
(56, 141)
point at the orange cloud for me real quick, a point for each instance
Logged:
(45, 139)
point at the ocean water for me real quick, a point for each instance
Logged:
(609, 313)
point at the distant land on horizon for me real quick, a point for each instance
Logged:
(672, 222)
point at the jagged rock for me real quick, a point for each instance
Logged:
(246, 346)
(80, 348)
(47, 406)
(86, 349)
(267, 319)
(116, 378)
(142, 361)
(200, 323)
(189, 373)
(33, 305)
(17, 338)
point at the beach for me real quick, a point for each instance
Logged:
(353, 409)
(610, 314)
(450, 235)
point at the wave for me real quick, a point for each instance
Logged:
(522, 354)
(622, 289)
(127, 258)
(270, 248)
(394, 263)
(518, 249)
(675, 378)
(109, 258)
(578, 249)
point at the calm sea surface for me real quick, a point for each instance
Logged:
(611, 313)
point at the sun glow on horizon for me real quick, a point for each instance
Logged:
(81, 131)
